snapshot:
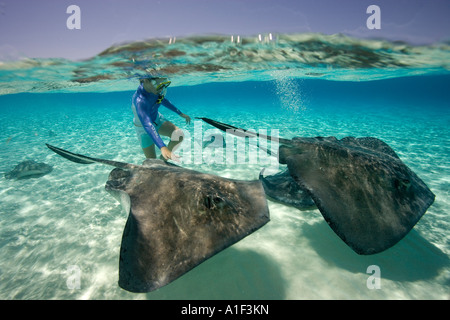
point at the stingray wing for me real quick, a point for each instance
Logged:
(179, 218)
(368, 196)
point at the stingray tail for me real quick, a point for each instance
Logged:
(241, 132)
(78, 158)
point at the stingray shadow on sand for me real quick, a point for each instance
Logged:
(412, 259)
(231, 274)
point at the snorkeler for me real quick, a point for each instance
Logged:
(149, 123)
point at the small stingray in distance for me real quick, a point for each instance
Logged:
(177, 218)
(367, 195)
(29, 169)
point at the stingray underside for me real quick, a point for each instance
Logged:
(367, 195)
(178, 218)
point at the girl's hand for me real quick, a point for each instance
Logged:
(168, 155)
(185, 116)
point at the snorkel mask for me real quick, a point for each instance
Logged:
(159, 84)
(162, 87)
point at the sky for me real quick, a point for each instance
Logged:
(38, 28)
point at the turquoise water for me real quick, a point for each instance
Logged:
(66, 218)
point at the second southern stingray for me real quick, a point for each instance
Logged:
(177, 218)
(281, 187)
(367, 195)
(29, 169)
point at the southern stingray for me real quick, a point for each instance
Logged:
(29, 169)
(177, 218)
(367, 195)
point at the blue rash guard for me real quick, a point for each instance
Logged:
(146, 108)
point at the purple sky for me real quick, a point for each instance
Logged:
(37, 28)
